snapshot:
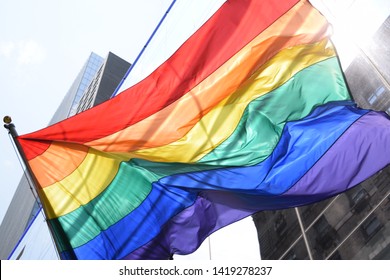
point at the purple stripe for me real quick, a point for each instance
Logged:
(363, 150)
(355, 156)
(186, 231)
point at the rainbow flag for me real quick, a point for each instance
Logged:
(251, 113)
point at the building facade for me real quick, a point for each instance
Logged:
(101, 74)
(104, 83)
(354, 224)
(68, 106)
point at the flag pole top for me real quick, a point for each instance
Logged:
(7, 120)
(9, 125)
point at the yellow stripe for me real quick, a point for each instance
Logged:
(220, 122)
(92, 176)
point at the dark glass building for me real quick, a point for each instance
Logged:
(354, 224)
(104, 83)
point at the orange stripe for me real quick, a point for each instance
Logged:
(57, 162)
(301, 25)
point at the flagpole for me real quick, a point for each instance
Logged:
(12, 131)
(209, 247)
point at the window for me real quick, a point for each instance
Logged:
(371, 227)
(378, 92)
(326, 234)
(359, 200)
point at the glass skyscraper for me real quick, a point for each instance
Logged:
(72, 98)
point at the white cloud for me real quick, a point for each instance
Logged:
(6, 49)
(30, 52)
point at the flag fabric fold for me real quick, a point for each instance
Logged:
(251, 113)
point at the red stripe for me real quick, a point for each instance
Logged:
(233, 26)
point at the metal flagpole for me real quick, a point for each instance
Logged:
(209, 239)
(12, 131)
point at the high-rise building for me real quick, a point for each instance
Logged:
(104, 83)
(71, 100)
(95, 83)
(354, 224)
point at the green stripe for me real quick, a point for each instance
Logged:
(129, 188)
(262, 123)
(292, 101)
